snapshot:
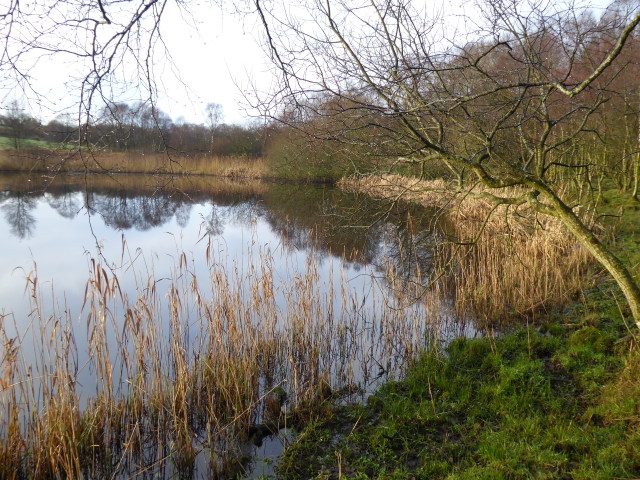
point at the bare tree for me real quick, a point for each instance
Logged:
(16, 123)
(111, 49)
(214, 118)
(505, 102)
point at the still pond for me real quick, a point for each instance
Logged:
(183, 293)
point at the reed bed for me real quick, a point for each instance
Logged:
(168, 378)
(496, 262)
(84, 160)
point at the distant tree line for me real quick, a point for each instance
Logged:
(140, 127)
(500, 107)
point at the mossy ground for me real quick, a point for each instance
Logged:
(556, 400)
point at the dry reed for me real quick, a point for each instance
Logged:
(175, 373)
(81, 161)
(498, 260)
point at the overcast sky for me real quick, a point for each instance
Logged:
(216, 56)
(218, 61)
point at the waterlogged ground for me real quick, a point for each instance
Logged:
(187, 305)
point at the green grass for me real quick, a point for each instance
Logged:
(558, 400)
(26, 143)
(526, 405)
(626, 217)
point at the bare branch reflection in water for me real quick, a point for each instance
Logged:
(165, 367)
(65, 203)
(17, 213)
(179, 368)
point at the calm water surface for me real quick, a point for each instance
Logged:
(139, 228)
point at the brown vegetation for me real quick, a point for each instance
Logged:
(66, 161)
(498, 259)
(516, 100)
(169, 391)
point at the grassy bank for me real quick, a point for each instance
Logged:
(30, 143)
(556, 399)
(560, 401)
(53, 161)
(51, 158)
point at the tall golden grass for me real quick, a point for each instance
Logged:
(175, 372)
(69, 161)
(497, 261)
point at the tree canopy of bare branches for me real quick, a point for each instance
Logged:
(512, 95)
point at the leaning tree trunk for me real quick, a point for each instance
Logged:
(636, 167)
(608, 260)
(636, 175)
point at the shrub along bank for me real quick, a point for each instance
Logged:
(556, 399)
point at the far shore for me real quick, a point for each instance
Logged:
(86, 161)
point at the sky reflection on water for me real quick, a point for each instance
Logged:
(143, 235)
(56, 230)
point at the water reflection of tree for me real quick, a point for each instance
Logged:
(360, 230)
(214, 222)
(125, 211)
(67, 202)
(247, 211)
(324, 218)
(409, 252)
(17, 212)
(183, 213)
